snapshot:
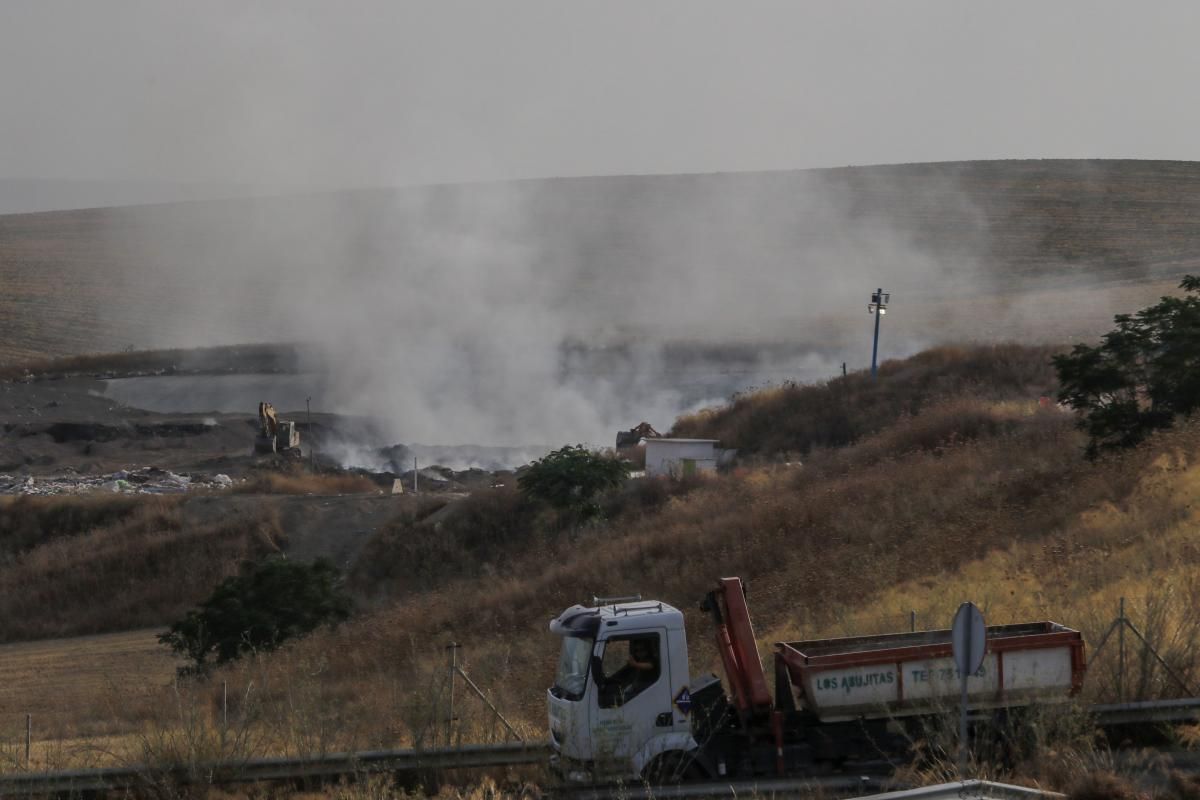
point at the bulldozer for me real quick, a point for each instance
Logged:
(275, 435)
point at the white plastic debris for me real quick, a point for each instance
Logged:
(145, 480)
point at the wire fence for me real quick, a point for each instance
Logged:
(1139, 648)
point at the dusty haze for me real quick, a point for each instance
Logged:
(559, 311)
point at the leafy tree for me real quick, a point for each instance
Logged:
(259, 609)
(1141, 376)
(570, 478)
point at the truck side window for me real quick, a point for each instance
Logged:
(631, 664)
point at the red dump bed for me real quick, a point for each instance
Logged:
(913, 673)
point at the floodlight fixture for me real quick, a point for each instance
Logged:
(879, 303)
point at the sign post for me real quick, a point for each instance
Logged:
(969, 637)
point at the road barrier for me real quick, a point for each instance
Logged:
(348, 765)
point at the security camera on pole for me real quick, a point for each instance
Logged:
(878, 307)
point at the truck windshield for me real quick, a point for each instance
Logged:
(571, 679)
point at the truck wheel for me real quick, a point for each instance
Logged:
(673, 766)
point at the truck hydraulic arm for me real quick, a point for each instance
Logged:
(739, 653)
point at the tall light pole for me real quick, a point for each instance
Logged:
(312, 459)
(878, 307)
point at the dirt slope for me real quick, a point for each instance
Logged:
(76, 282)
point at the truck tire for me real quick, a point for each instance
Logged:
(671, 767)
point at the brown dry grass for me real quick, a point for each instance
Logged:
(81, 691)
(305, 483)
(795, 418)
(78, 566)
(28, 521)
(488, 534)
(968, 497)
(1157, 783)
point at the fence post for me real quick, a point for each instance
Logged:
(28, 737)
(912, 621)
(1121, 653)
(453, 648)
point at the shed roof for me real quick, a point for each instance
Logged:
(662, 439)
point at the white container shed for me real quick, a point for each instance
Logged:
(678, 458)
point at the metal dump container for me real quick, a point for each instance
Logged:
(903, 674)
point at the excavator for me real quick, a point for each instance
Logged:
(275, 435)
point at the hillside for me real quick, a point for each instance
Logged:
(979, 492)
(200, 273)
(796, 418)
(950, 480)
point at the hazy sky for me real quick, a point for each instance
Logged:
(330, 94)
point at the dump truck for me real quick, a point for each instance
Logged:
(624, 706)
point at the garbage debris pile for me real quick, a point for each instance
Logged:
(147, 480)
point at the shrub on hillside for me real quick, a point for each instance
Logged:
(269, 603)
(570, 478)
(1142, 375)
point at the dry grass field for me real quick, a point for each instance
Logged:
(1048, 231)
(972, 489)
(86, 694)
(90, 564)
(982, 493)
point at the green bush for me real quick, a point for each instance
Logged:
(268, 604)
(1143, 374)
(570, 478)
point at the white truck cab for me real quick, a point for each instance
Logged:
(619, 705)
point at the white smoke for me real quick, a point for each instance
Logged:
(546, 312)
(531, 312)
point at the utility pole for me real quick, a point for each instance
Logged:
(311, 456)
(878, 307)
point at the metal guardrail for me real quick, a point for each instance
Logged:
(325, 767)
(1149, 711)
(968, 790)
(763, 787)
(336, 765)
